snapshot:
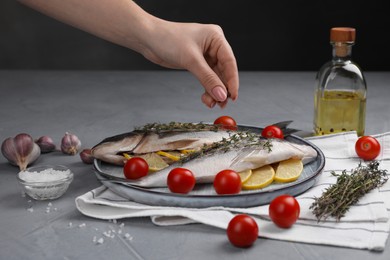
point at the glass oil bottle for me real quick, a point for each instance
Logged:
(340, 96)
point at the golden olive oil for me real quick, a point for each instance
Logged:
(340, 98)
(339, 111)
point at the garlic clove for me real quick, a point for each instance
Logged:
(70, 144)
(20, 150)
(86, 156)
(46, 144)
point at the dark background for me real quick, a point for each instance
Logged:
(265, 35)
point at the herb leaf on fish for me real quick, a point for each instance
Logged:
(176, 126)
(349, 188)
(237, 140)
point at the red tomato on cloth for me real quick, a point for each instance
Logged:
(284, 210)
(367, 148)
(242, 230)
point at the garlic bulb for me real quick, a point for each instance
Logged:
(86, 156)
(46, 144)
(70, 144)
(20, 150)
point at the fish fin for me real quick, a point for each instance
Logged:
(242, 155)
(283, 126)
(309, 154)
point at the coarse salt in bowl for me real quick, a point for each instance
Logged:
(45, 182)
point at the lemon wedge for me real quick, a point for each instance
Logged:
(127, 156)
(187, 151)
(289, 170)
(154, 161)
(260, 178)
(245, 175)
(171, 156)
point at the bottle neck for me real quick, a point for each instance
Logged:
(342, 50)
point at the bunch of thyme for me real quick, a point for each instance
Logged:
(349, 188)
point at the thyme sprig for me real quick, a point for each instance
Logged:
(176, 126)
(237, 140)
(348, 189)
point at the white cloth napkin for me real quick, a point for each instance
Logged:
(365, 226)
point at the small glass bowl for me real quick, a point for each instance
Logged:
(45, 182)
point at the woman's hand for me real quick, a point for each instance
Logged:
(202, 50)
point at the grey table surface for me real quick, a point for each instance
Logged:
(97, 104)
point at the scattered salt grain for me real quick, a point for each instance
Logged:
(70, 224)
(122, 225)
(100, 241)
(114, 221)
(49, 204)
(82, 225)
(120, 231)
(128, 236)
(109, 234)
(30, 209)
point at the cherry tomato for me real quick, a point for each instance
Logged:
(284, 210)
(180, 180)
(272, 131)
(367, 148)
(242, 230)
(226, 122)
(227, 182)
(135, 168)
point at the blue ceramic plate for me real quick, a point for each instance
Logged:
(204, 195)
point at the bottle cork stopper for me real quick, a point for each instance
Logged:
(342, 34)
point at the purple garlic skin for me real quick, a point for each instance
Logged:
(46, 144)
(20, 150)
(86, 156)
(70, 144)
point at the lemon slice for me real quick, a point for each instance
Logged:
(260, 178)
(245, 175)
(289, 170)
